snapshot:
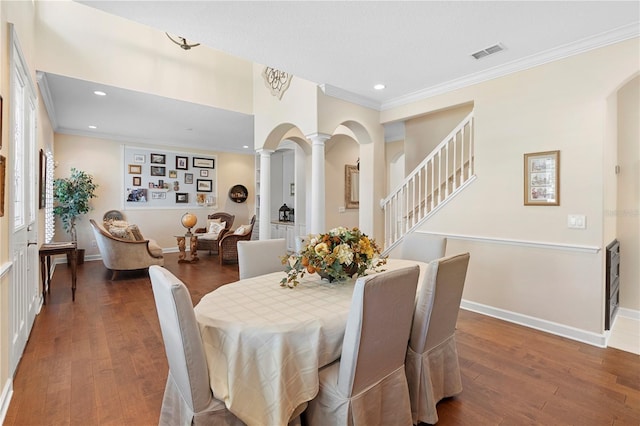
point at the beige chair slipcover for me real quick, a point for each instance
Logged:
(367, 385)
(432, 365)
(422, 247)
(124, 255)
(187, 397)
(259, 257)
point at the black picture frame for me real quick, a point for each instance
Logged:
(42, 199)
(182, 163)
(182, 197)
(137, 181)
(157, 159)
(158, 171)
(204, 163)
(204, 185)
(188, 178)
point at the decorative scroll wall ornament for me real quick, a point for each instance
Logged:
(277, 81)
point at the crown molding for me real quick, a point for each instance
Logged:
(47, 99)
(594, 42)
(347, 96)
(584, 45)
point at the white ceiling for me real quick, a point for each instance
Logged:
(416, 48)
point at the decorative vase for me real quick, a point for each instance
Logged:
(349, 270)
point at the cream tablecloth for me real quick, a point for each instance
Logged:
(265, 343)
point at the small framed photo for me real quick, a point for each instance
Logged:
(158, 195)
(182, 197)
(188, 178)
(205, 185)
(292, 189)
(204, 173)
(158, 158)
(173, 174)
(152, 185)
(207, 163)
(158, 171)
(138, 158)
(182, 163)
(137, 181)
(135, 169)
(542, 178)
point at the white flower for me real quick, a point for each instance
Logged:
(344, 254)
(292, 260)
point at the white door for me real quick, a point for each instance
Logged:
(24, 297)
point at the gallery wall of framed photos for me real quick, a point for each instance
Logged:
(155, 178)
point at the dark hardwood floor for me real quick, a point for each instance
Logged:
(101, 361)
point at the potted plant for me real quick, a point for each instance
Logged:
(71, 196)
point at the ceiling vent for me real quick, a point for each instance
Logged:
(488, 51)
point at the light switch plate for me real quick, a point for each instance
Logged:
(577, 221)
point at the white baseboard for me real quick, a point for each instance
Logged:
(537, 323)
(629, 313)
(5, 399)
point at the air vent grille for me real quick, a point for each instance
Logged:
(488, 51)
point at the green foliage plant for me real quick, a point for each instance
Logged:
(71, 198)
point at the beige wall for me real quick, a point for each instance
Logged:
(82, 42)
(103, 159)
(557, 106)
(628, 208)
(340, 151)
(424, 133)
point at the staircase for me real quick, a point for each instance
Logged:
(446, 171)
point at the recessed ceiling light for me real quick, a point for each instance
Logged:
(245, 146)
(379, 86)
(93, 127)
(99, 93)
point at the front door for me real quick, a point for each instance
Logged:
(23, 286)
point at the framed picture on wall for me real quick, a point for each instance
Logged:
(207, 163)
(158, 171)
(205, 185)
(43, 180)
(137, 181)
(182, 197)
(138, 158)
(188, 178)
(542, 178)
(158, 158)
(182, 163)
(135, 169)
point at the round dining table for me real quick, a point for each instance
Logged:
(265, 343)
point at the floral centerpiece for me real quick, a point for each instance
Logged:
(337, 255)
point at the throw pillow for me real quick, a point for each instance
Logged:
(216, 227)
(210, 221)
(123, 233)
(242, 229)
(135, 232)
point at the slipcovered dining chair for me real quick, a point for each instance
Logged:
(423, 247)
(259, 257)
(432, 365)
(187, 396)
(367, 385)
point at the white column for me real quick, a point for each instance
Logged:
(317, 182)
(265, 193)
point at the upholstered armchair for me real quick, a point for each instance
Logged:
(229, 243)
(126, 253)
(209, 237)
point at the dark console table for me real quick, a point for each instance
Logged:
(52, 249)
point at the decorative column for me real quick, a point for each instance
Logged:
(317, 182)
(265, 194)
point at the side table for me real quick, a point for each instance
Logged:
(52, 249)
(193, 248)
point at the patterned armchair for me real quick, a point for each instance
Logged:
(208, 241)
(229, 243)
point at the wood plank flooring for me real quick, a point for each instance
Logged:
(101, 361)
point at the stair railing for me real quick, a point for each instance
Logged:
(441, 175)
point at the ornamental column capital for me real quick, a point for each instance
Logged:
(318, 138)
